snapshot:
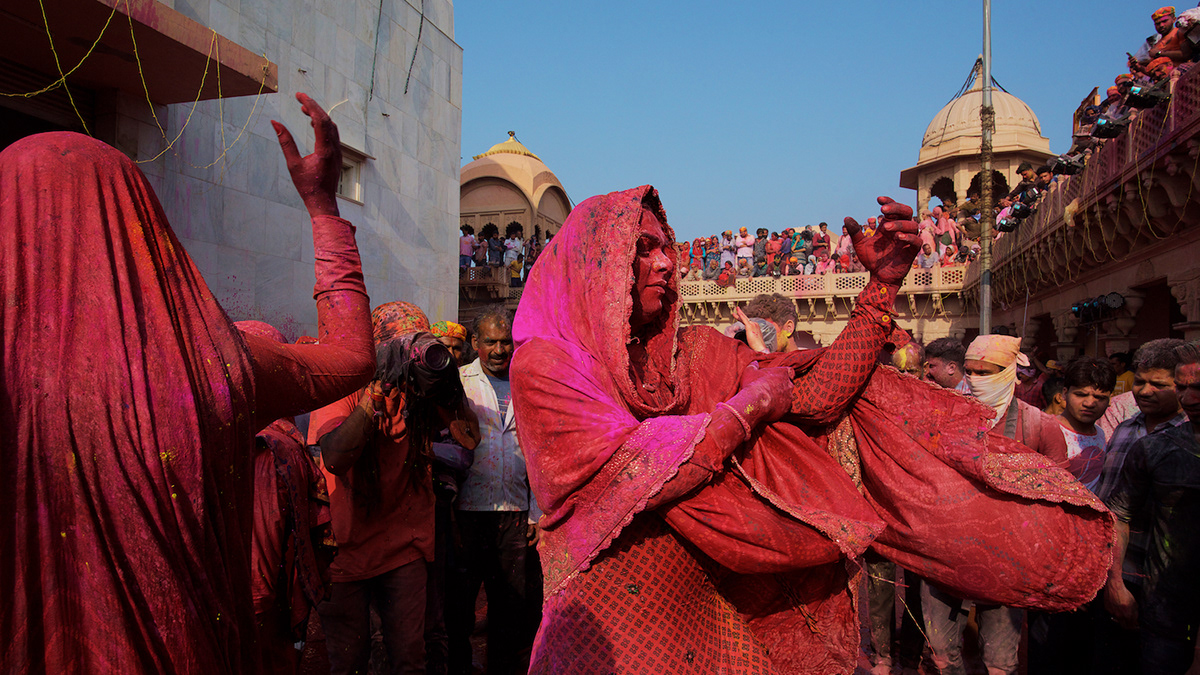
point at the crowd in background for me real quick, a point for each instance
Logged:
(1153, 70)
(429, 503)
(514, 253)
(1120, 425)
(950, 232)
(808, 250)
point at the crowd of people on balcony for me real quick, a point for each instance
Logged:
(808, 250)
(1153, 70)
(513, 253)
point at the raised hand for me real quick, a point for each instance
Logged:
(888, 255)
(316, 175)
(754, 336)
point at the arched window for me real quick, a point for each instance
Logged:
(999, 184)
(943, 189)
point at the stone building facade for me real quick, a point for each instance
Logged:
(391, 75)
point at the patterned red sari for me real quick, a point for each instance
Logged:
(753, 571)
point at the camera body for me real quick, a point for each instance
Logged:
(1148, 95)
(1066, 165)
(1109, 127)
(420, 365)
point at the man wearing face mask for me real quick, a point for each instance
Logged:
(991, 373)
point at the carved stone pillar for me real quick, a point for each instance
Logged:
(1186, 289)
(1029, 339)
(1066, 328)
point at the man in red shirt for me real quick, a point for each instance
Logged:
(821, 239)
(382, 503)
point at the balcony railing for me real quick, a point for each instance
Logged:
(920, 281)
(484, 284)
(1132, 193)
(948, 279)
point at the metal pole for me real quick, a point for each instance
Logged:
(987, 117)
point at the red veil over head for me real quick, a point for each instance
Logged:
(591, 305)
(118, 367)
(127, 416)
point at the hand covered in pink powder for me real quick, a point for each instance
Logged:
(765, 396)
(888, 255)
(316, 175)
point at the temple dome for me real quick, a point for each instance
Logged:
(955, 129)
(512, 162)
(512, 146)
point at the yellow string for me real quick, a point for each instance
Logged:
(62, 81)
(62, 77)
(214, 45)
(146, 89)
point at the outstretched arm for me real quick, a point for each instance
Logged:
(821, 394)
(1117, 599)
(291, 379)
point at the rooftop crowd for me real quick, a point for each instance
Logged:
(1153, 69)
(808, 250)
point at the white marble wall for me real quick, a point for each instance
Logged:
(241, 220)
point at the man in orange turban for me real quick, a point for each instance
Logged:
(1168, 41)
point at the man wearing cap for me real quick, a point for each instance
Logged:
(991, 373)
(1168, 42)
(454, 336)
(728, 248)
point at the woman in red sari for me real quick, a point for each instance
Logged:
(129, 404)
(292, 542)
(690, 528)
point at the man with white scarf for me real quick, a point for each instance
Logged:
(991, 373)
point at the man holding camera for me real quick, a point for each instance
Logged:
(376, 457)
(496, 514)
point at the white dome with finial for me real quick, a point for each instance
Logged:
(957, 128)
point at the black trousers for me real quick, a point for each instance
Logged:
(492, 552)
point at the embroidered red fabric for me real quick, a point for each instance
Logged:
(128, 409)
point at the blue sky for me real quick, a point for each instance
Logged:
(764, 114)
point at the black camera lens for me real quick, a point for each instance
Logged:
(436, 356)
